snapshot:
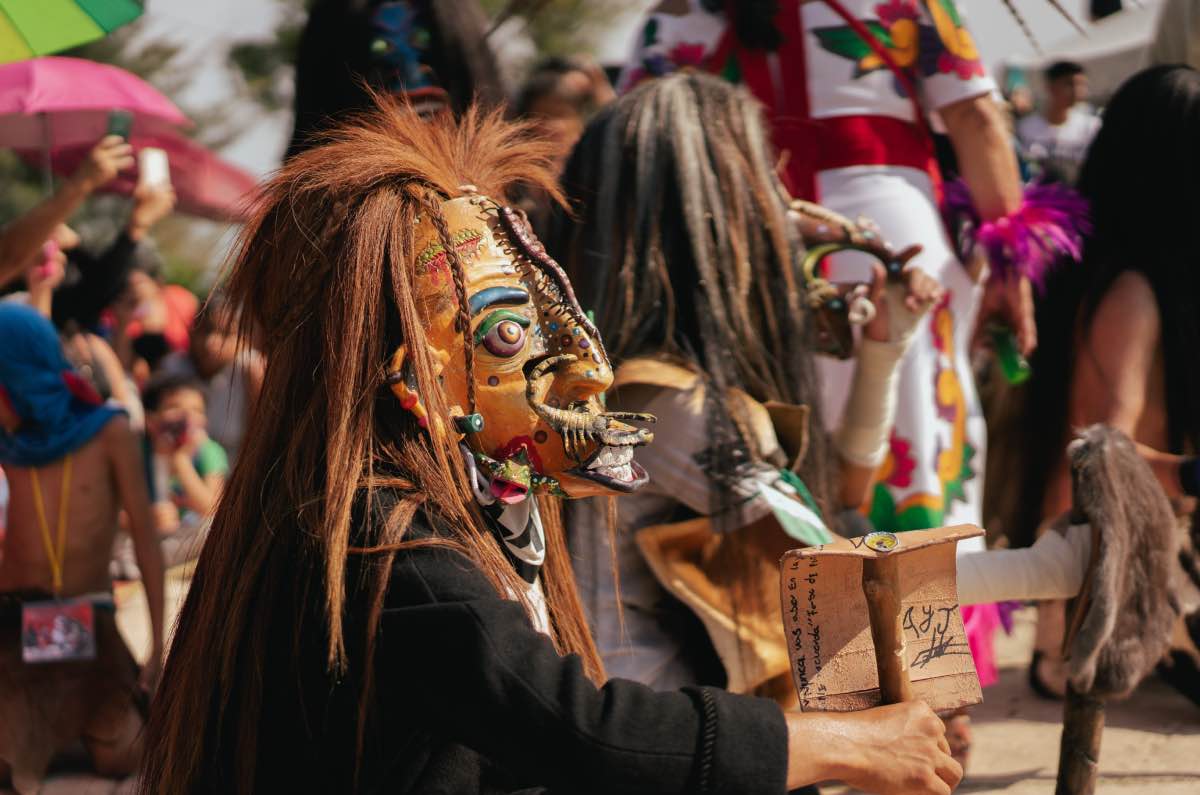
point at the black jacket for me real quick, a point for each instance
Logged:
(470, 698)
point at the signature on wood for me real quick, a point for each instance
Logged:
(934, 624)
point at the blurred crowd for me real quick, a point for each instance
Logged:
(139, 343)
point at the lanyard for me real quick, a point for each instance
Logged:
(57, 557)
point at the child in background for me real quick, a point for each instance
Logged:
(558, 97)
(230, 378)
(187, 466)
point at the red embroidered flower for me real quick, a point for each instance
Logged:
(894, 10)
(686, 54)
(903, 462)
(964, 68)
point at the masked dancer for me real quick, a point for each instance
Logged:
(690, 254)
(853, 90)
(385, 601)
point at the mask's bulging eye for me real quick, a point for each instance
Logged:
(502, 333)
(505, 339)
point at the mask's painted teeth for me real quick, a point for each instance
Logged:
(624, 473)
(625, 477)
(621, 472)
(611, 458)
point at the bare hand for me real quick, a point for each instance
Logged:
(151, 203)
(899, 749)
(192, 440)
(107, 159)
(602, 89)
(48, 268)
(151, 671)
(166, 517)
(1009, 302)
(906, 751)
(899, 306)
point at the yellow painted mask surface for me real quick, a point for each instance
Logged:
(539, 364)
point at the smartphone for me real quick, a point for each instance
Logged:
(175, 430)
(154, 168)
(120, 122)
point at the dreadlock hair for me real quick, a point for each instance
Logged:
(684, 250)
(325, 271)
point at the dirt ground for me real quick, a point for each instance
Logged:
(1151, 743)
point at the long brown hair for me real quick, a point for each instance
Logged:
(323, 275)
(683, 248)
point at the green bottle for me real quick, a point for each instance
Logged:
(1016, 368)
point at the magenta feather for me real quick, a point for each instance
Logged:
(1046, 229)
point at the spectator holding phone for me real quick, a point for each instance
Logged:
(153, 315)
(21, 239)
(92, 281)
(187, 466)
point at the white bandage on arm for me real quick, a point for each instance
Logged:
(871, 407)
(870, 411)
(1053, 568)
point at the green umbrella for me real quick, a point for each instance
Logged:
(29, 28)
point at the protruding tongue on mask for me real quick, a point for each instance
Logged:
(507, 491)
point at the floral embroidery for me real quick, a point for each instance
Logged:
(898, 467)
(945, 47)
(959, 53)
(899, 18)
(952, 461)
(893, 11)
(686, 54)
(657, 64)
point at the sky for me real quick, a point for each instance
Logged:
(204, 29)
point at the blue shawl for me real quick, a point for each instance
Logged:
(56, 413)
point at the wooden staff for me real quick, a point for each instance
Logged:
(1083, 714)
(881, 584)
(1079, 750)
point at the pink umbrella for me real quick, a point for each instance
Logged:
(56, 108)
(53, 101)
(205, 184)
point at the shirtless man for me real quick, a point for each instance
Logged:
(72, 464)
